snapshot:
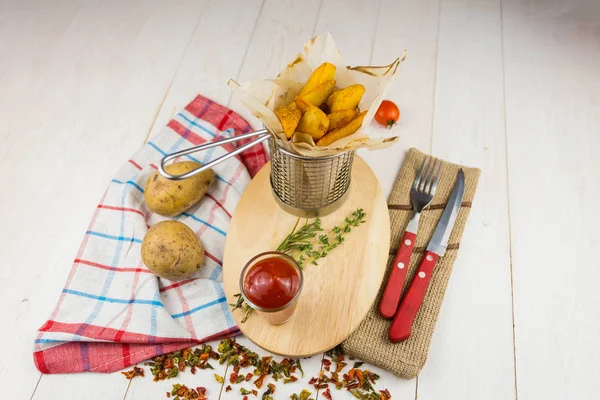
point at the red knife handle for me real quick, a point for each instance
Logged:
(393, 289)
(402, 323)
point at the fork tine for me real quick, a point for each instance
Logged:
(427, 173)
(417, 181)
(436, 180)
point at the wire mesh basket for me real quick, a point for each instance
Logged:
(303, 185)
(309, 183)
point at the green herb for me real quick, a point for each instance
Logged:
(298, 240)
(219, 378)
(300, 243)
(245, 391)
(239, 303)
(299, 367)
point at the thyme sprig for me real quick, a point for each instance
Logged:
(240, 303)
(300, 243)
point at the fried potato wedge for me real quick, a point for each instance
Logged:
(347, 98)
(301, 103)
(337, 119)
(314, 121)
(289, 116)
(318, 95)
(324, 72)
(343, 131)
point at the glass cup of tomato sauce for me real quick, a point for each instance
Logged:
(271, 284)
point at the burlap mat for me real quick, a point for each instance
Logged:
(370, 341)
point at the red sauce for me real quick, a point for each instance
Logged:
(271, 283)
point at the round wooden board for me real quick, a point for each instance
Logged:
(338, 291)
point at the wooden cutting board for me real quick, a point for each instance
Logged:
(338, 291)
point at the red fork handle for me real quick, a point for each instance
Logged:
(403, 321)
(393, 289)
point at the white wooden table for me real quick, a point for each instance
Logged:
(510, 86)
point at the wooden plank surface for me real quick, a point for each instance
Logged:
(75, 104)
(474, 332)
(552, 59)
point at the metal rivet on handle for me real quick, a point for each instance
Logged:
(407, 242)
(400, 265)
(421, 274)
(429, 257)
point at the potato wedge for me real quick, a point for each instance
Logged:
(301, 103)
(347, 98)
(344, 131)
(318, 95)
(324, 72)
(337, 119)
(289, 116)
(314, 121)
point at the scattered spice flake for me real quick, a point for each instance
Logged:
(245, 391)
(219, 378)
(290, 380)
(259, 382)
(249, 376)
(136, 371)
(228, 388)
(326, 362)
(358, 364)
(360, 377)
(351, 374)
(327, 394)
(352, 385)
(270, 390)
(255, 392)
(299, 367)
(305, 394)
(321, 386)
(183, 392)
(385, 394)
(312, 381)
(245, 398)
(233, 377)
(340, 366)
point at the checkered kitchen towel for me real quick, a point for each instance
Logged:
(113, 312)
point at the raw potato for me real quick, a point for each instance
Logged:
(170, 198)
(289, 116)
(325, 72)
(318, 95)
(314, 121)
(337, 119)
(344, 131)
(172, 251)
(346, 99)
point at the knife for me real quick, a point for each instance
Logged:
(409, 307)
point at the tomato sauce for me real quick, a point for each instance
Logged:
(271, 283)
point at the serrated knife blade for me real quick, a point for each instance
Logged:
(441, 235)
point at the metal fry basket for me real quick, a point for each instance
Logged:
(309, 183)
(302, 185)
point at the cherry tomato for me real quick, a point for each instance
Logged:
(387, 114)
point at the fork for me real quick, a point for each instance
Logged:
(421, 194)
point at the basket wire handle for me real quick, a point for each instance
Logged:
(262, 134)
